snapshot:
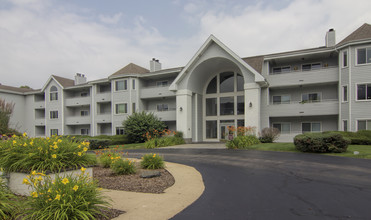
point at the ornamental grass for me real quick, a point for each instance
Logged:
(51, 154)
(65, 197)
(152, 161)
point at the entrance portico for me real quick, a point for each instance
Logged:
(215, 90)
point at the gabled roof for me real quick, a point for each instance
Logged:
(15, 89)
(131, 68)
(203, 48)
(362, 33)
(64, 81)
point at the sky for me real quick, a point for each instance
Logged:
(39, 38)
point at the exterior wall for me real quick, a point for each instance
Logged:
(17, 119)
(55, 105)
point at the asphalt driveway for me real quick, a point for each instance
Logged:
(247, 184)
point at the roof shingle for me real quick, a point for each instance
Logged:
(362, 33)
(15, 89)
(131, 68)
(64, 81)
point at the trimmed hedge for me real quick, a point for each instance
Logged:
(362, 137)
(321, 142)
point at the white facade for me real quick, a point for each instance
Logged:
(314, 90)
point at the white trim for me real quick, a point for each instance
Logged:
(356, 56)
(123, 80)
(311, 122)
(281, 126)
(356, 92)
(342, 124)
(120, 103)
(362, 119)
(342, 59)
(342, 93)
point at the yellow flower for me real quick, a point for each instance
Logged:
(59, 141)
(54, 156)
(85, 149)
(79, 153)
(14, 142)
(65, 181)
(25, 181)
(55, 147)
(34, 194)
(14, 136)
(33, 173)
(39, 178)
(25, 144)
(58, 197)
(79, 146)
(49, 190)
(83, 169)
(31, 143)
(154, 155)
(24, 134)
(41, 174)
(75, 188)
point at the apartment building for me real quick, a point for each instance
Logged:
(311, 90)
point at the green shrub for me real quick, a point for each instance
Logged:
(139, 124)
(66, 197)
(8, 207)
(362, 137)
(152, 161)
(268, 135)
(163, 142)
(178, 134)
(321, 142)
(123, 167)
(242, 142)
(106, 158)
(99, 143)
(23, 154)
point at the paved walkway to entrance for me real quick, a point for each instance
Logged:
(198, 146)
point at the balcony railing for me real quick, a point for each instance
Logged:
(39, 121)
(39, 104)
(169, 115)
(103, 118)
(78, 120)
(155, 92)
(299, 108)
(103, 97)
(78, 101)
(299, 77)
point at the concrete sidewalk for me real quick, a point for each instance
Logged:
(187, 188)
(216, 145)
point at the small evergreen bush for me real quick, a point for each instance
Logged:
(123, 167)
(152, 161)
(321, 142)
(242, 142)
(269, 135)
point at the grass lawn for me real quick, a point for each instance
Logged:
(364, 150)
(129, 146)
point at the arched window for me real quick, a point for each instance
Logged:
(53, 93)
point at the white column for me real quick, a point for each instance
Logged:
(184, 112)
(252, 105)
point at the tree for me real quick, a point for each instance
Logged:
(139, 123)
(6, 110)
(25, 87)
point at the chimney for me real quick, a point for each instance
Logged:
(80, 79)
(330, 38)
(154, 65)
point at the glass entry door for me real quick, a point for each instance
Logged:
(224, 132)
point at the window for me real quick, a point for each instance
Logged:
(364, 55)
(240, 82)
(162, 107)
(281, 99)
(161, 83)
(211, 88)
(311, 97)
(211, 129)
(364, 92)
(53, 132)
(226, 82)
(121, 85)
(311, 66)
(240, 105)
(226, 105)
(53, 114)
(121, 108)
(345, 58)
(345, 125)
(279, 70)
(53, 93)
(364, 125)
(284, 127)
(133, 107)
(133, 84)
(84, 113)
(311, 127)
(84, 94)
(211, 107)
(345, 93)
(84, 131)
(120, 130)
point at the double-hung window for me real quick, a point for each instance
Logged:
(84, 131)
(53, 93)
(283, 69)
(345, 93)
(364, 55)
(161, 83)
(345, 59)
(53, 114)
(281, 99)
(311, 66)
(121, 108)
(162, 107)
(84, 113)
(364, 125)
(364, 91)
(120, 130)
(121, 85)
(311, 127)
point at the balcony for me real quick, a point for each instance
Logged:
(103, 118)
(103, 97)
(39, 121)
(79, 101)
(169, 115)
(323, 107)
(78, 120)
(155, 92)
(323, 75)
(39, 105)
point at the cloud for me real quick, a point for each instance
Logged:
(110, 19)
